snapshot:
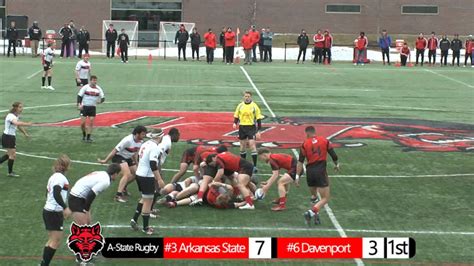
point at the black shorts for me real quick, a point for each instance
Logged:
(247, 132)
(210, 170)
(82, 83)
(88, 111)
(53, 221)
(292, 172)
(316, 175)
(178, 187)
(47, 66)
(146, 185)
(119, 159)
(8, 141)
(245, 167)
(77, 204)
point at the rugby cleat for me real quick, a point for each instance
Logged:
(134, 225)
(197, 202)
(13, 174)
(278, 208)
(50, 88)
(314, 200)
(121, 199)
(148, 231)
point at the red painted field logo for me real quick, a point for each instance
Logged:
(213, 128)
(85, 241)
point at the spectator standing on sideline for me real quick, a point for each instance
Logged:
(444, 45)
(361, 46)
(65, 33)
(456, 46)
(303, 42)
(195, 43)
(261, 47)
(420, 44)
(327, 47)
(72, 44)
(404, 54)
(247, 44)
(83, 38)
(222, 42)
(111, 37)
(384, 43)
(229, 45)
(267, 43)
(432, 46)
(35, 34)
(12, 36)
(255, 40)
(210, 43)
(181, 39)
(469, 50)
(318, 47)
(123, 42)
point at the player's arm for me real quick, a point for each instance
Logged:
(182, 170)
(228, 187)
(23, 131)
(102, 95)
(219, 175)
(154, 166)
(78, 68)
(196, 166)
(258, 117)
(96, 190)
(20, 123)
(59, 200)
(267, 184)
(236, 116)
(299, 166)
(334, 157)
(79, 97)
(109, 156)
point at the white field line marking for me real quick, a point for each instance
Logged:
(452, 79)
(258, 91)
(301, 229)
(34, 74)
(329, 211)
(189, 171)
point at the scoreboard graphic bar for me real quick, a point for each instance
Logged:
(260, 248)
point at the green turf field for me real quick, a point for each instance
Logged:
(382, 190)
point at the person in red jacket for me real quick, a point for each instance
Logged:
(421, 43)
(361, 46)
(318, 47)
(327, 46)
(247, 44)
(469, 50)
(404, 54)
(229, 45)
(210, 42)
(256, 39)
(432, 46)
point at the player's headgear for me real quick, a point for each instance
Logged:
(155, 133)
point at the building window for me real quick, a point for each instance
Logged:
(343, 8)
(2, 17)
(419, 10)
(148, 20)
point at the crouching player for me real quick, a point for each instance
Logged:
(179, 190)
(279, 161)
(125, 154)
(228, 163)
(189, 157)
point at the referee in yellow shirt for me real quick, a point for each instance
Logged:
(249, 119)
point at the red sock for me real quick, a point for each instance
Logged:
(315, 209)
(200, 194)
(282, 201)
(249, 200)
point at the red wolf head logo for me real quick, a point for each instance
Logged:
(85, 240)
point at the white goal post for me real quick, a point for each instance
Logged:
(131, 28)
(168, 31)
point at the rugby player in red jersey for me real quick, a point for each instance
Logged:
(315, 150)
(279, 161)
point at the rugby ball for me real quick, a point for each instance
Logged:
(259, 194)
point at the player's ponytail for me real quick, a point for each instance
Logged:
(15, 107)
(61, 165)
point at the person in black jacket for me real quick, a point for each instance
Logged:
(83, 38)
(195, 43)
(111, 37)
(444, 45)
(12, 36)
(181, 39)
(65, 32)
(123, 41)
(456, 46)
(261, 47)
(35, 34)
(303, 42)
(222, 42)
